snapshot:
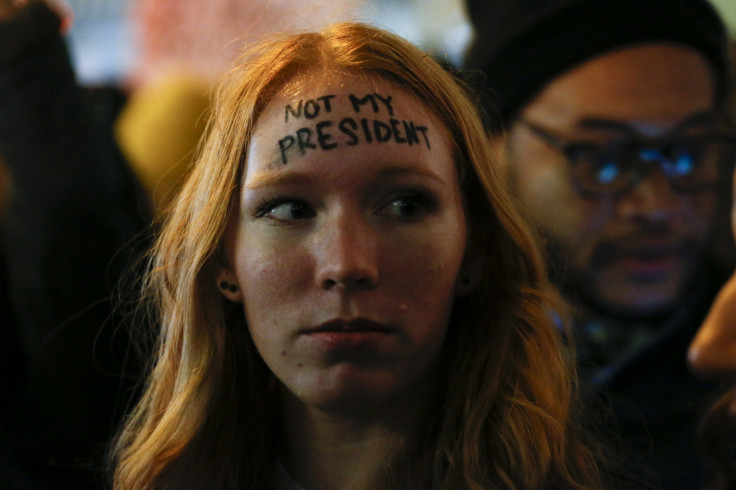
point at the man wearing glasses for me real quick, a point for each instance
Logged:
(616, 146)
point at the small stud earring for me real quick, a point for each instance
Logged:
(229, 287)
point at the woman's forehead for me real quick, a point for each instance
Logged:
(323, 113)
(306, 83)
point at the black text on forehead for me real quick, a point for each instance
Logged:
(354, 131)
(322, 105)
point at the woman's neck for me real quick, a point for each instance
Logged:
(330, 451)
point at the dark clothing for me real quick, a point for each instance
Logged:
(655, 399)
(74, 207)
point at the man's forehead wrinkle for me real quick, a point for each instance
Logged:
(701, 118)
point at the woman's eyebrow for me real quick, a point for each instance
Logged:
(704, 118)
(275, 178)
(289, 176)
(394, 171)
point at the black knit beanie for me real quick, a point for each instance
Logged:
(520, 45)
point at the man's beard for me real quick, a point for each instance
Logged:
(579, 287)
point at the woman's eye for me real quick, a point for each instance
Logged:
(406, 207)
(287, 211)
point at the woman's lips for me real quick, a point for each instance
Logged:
(348, 326)
(348, 333)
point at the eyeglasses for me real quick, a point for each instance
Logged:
(691, 164)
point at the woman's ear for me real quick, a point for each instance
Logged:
(227, 283)
(470, 276)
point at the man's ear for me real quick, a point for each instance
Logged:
(227, 283)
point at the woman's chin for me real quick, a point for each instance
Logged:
(351, 394)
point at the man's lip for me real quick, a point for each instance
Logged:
(649, 257)
(652, 253)
(648, 250)
(351, 325)
(650, 263)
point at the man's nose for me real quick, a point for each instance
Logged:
(651, 199)
(346, 249)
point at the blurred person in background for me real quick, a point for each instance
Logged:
(69, 206)
(616, 145)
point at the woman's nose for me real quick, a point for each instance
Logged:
(347, 254)
(712, 352)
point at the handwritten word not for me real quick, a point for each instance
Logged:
(310, 109)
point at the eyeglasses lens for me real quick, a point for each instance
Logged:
(689, 165)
